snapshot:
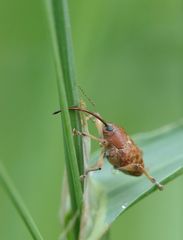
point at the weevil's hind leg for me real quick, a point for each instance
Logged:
(131, 168)
(152, 179)
(128, 168)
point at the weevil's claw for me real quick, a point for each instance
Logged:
(78, 133)
(160, 187)
(153, 180)
(82, 177)
(74, 132)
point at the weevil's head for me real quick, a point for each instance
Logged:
(108, 129)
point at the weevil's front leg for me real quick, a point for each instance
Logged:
(134, 167)
(100, 140)
(98, 123)
(100, 162)
(98, 166)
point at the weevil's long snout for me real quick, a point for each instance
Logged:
(108, 127)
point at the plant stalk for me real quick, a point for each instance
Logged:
(65, 49)
(19, 204)
(58, 19)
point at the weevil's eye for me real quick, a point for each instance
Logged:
(109, 127)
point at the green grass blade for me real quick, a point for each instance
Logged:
(163, 156)
(19, 204)
(65, 48)
(71, 159)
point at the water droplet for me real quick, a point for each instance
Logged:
(124, 206)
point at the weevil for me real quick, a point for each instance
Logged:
(117, 146)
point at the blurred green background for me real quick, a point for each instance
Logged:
(129, 60)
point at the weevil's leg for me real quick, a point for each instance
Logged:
(103, 142)
(130, 168)
(100, 140)
(97, 122)
(152, 179)
(88, 117)
(98, 166)
(99, 125)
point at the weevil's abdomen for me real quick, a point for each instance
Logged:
(128, 162)
(123, 153)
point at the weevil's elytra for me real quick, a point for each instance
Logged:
(118, 147)
(122, 152)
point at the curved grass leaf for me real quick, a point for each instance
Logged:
(17, 201)
(163, 156)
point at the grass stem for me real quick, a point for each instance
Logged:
(65, 50)
(19, 204)
(61, 38)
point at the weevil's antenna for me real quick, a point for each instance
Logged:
(86, 96)
(108, 127)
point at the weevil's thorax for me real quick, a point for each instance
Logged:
(116, 136)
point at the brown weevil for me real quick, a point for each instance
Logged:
(117, 147)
